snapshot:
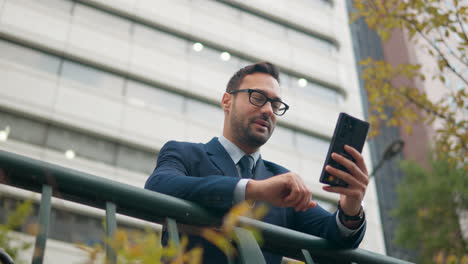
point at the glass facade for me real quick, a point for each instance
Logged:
(91, 147)
(145, 95)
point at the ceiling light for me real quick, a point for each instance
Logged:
(197, 46)
(225, 56)
(4, 134)
(70, 154)
(302, 82)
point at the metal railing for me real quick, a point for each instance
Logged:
(114, 197)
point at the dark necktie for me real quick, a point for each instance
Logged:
(246, 166)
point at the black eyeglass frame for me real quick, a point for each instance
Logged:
(267, 99)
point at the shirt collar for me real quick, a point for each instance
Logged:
(235, 152)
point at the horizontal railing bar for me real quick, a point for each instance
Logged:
(31, 174)
(290, 243)
(73, 185)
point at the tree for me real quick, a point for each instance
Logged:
(15, 220)
(145, 247)
(429, 199)
(428, 212)
(440, 28)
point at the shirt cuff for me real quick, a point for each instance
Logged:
(239, 191)
(345, 231)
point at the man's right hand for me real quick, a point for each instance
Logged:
(284, 190)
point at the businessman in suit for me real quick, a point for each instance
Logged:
(229, 169)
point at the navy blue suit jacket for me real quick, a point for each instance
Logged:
(205, 174)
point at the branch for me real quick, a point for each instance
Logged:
(374, 5)
(419, 104)
(441, 54)
(460, 22)
(451, 50)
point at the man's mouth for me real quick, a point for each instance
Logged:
(262, 123)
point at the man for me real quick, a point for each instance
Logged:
(229, 169)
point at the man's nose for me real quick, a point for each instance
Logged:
(267, 109)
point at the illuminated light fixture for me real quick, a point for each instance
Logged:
(70, 154)
(4, 134)
(225, 56)
(302, 82)
(197, 46)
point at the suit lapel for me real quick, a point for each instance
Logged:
(219, 156)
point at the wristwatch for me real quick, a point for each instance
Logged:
(344, 217)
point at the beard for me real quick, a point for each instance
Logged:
(245, 133)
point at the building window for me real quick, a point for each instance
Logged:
(29, 58)
(93, 78)
(82, 145)
(308, 144)
(152, 96)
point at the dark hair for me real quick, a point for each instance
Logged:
(264, 67)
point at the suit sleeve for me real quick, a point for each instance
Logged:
(318, 222)
(174, 175)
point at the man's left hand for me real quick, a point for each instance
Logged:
(357, 179)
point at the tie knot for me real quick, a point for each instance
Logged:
(246, 164)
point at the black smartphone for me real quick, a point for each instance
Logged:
(348, 131)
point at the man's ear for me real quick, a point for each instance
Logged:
(226, 102)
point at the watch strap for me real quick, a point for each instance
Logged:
(344, 217)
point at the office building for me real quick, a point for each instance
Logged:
(99, 86)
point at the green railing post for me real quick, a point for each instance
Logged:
(173, 232)
(44, 216)
(111, 226)
(250, 252)
(307, 256)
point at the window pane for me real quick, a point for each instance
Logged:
(155, 97)
(23, 129)
(135, 159)
(65, 6)
(102, 21)
(306, 41)
(61, 223)
(322, 3)
(221, 61)
(83, 145)
(28, 57)
(159, 40)
(81, 225)
(92, 77)
(222, 10)
(242, 63)
(315, 90)
(311, 145)
(198, 110)
(326, 93)
(285, 81)
(263, 26)
(283, 136)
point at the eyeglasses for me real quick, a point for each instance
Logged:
(259, 98)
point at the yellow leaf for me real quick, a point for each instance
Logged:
(219, 241)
